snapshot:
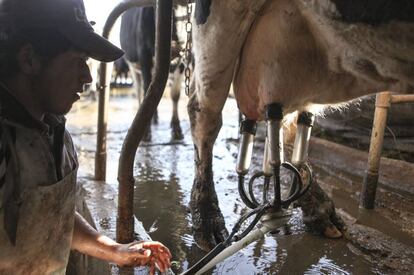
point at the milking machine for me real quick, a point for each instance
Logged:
(271, 212)
(301, 147)
(244, 157)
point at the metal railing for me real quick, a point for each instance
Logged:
(125, 219)
(382, 103)
(103, 87)
(142, 120)
(125, 216)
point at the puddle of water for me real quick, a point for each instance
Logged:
(164, 179)
(369, 218)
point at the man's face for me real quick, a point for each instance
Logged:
(60, 81)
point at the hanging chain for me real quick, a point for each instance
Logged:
(188, 46)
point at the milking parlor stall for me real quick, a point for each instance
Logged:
(332, 194)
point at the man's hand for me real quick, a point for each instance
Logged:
(87, 241)
(151, 253)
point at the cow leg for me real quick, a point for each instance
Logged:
(124, 77)
(217, 45)
(208, 222)
(140, 90)
(176, 132)
(319, 213)
(318, 209)
(136, 78)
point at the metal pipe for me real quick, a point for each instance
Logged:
(103, 88)
(274, 116)
(273, 136)
(269, 223)
(267, 168)
(100, 154)
(125, 221)
(244, 157)
(303, 132)
(369, 187)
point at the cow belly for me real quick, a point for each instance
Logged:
(282, 62)
(378, 36)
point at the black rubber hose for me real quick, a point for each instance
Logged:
(254, 222)
(294, 191)
(302, 191)
(221, 246)
(310, 181)
(251, 182)
(266, 184)
(296, 185)
(277, 203)
(243, 194)
(244, 217)
(205, 260)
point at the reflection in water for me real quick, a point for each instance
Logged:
(325, 266)
(159, 200)
(164, 179)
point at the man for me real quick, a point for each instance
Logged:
(44, 45)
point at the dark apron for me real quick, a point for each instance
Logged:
(46, 217)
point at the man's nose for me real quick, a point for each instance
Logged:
(86, 76)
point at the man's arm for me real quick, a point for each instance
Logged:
(88, 241)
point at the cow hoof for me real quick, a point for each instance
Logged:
(332, 232)
(208, 229)
(155, 119)
(211, 233)
(147, 136)
(177, 134)
(319, 213)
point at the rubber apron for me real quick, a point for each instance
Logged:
(46, 214)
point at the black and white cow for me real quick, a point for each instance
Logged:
(120, 72)
(295, 53)
(137, 37)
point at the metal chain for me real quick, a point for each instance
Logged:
(188, 46)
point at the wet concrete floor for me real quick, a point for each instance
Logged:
(164, 175)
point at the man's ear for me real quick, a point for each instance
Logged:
(28, 61)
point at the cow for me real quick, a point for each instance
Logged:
(120, 72)
(137, 38)
(295, 54)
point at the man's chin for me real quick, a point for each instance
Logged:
(62, 111)
(66, 111)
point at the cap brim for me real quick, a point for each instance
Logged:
(94, 45)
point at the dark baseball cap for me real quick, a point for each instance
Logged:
(67, 17)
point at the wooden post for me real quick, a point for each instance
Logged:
(382, 103)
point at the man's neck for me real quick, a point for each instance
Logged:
(21, 90)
